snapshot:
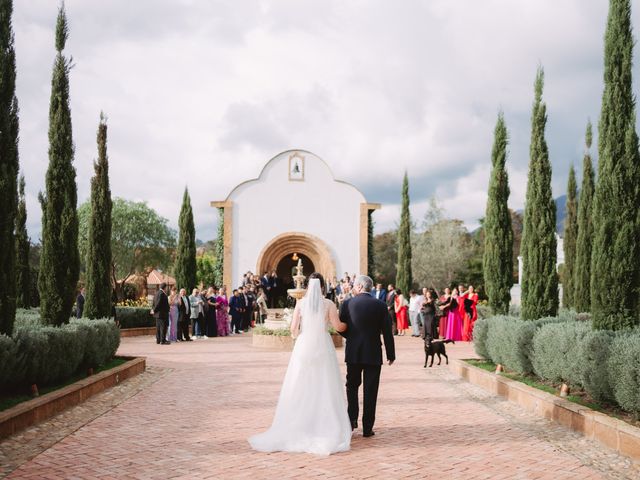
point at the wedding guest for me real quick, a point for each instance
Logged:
(379, 293)
(80, 303)
(391, 307)
(415, 304)
(454, 322)
(444, 302)
(401, 306)
(274, 283)
(470, 314)
(249, 302)
(184, 314)
(211, 322)
(428, 312)
(262, 305)
(236, 309)
(160, 310)
(195, 302)
(208, 314)
(173, 315)
(462, 295)
(222, 311)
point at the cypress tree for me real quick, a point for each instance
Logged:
(8, 169)
(404, 275)
(570, 240)
(23, 270)
(497, 261)
(616, 221)
(60, 260)
(218, 268)
(538, 247)
(371, 256)
(98, 294)
(185, 267)
(582, 271)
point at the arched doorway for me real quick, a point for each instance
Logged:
(286, 268)
(277, 255)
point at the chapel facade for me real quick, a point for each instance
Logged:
(295, 209)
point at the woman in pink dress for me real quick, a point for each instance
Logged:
(401, 306)
(172, 332)
(443, 307)
(454, 322)
(222, 312)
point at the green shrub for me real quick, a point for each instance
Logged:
(484, 311)
(45, 355)
(556, 355)
(514, 310)
(279, 332)
(8, 359)
(593, 356)
(135, 317)
(480, 332)
(624, 370)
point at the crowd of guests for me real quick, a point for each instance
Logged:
(212, 313)
(450, 315)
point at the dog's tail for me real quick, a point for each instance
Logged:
(448, 340)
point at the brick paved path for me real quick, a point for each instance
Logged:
(190, 414)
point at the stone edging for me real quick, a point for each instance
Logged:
(33, 411)
(137, 332)
(614, 433)
(282, 342)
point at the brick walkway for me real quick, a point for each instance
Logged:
(190, 414)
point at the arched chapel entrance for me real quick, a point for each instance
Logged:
(278, 255)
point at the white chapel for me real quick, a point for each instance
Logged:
(295, 209)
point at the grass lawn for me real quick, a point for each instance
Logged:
(14, 398)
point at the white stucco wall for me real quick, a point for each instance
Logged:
(272, 204)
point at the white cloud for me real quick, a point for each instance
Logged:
(205, 93)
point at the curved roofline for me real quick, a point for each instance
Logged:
(293, 151)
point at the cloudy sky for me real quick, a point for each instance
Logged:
(204, 92)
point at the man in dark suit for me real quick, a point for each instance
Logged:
(274, 284)
(80, 303)
(391, 307)
(161, 312)
(236, 310)
(366, 319)
(184, 316)
(379, 293)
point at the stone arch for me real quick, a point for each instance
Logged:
(296, 242)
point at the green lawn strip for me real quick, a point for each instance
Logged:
(11, 400)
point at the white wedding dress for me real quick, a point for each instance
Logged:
(311, 415)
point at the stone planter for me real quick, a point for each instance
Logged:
(285, 343)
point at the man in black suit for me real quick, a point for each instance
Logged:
(391, 307)
(367, 318)
(184, 316)
(80, 303)
(161, 312)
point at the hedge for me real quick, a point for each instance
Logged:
(46, 355)
(566, 349)
(624, 368)
(135, 317)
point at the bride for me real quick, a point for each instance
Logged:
(311, 415)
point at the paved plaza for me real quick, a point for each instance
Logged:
(189, 415)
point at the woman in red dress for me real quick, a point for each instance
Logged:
(470, 313)
(401, 307)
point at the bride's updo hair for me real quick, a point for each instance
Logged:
(319, 277)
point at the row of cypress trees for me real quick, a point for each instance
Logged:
(602, 228)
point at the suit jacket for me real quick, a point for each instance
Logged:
(366, 319)
(161, 306)
(391, 301)
(79, 305)
(236, 304)
(381, 295)
(184, 308)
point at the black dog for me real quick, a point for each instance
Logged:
(433, 348)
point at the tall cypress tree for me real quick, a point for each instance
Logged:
(218, 269)
(404, 276)
(538, 247)
(98, 295)
(570, 240)
(616, 222)
(582, 271)
(23, 270)
(8, 169)
(497, 261)
(60, 260)
(185, 267)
